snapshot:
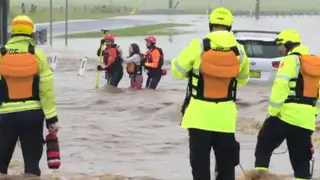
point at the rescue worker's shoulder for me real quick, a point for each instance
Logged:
(196, 43)
(195, 47)
(156, 51)
(243, 54)
(41, 58)
(40, 54)
(241, 48)
(287, 66)
(289, 59)
(191, 52)
(182, 64)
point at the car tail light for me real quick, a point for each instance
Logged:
(275, 64)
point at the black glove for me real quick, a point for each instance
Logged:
(51, 121)
(102, 41)
(99, 68)
(99, 52)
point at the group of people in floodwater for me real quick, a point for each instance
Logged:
(136, 63)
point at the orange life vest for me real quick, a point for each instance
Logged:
(217, 80)
(306, 89)
(158, 70)
(217, 76)
(19, 76)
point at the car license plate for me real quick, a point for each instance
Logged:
(255, 74)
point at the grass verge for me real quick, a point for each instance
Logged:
(155, 29)
(43, 15)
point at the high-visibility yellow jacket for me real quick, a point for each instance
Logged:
(46, 85)
(220, 117)
(300, 115)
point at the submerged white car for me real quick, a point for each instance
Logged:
(262, 53)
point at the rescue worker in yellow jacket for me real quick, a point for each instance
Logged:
(292, 107)
(215, 66)
(26, 97)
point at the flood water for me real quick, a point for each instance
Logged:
(136, 134)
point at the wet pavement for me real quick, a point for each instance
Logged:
(136, 133)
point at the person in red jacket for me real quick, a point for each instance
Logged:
(112, 61)
(153, 63)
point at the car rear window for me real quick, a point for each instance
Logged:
(260, 49)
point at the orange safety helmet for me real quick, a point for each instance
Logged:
(109, 37)
(151, 39)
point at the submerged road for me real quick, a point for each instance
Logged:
(93, 25)
(90, 25)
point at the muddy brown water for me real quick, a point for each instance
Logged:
(119, 133)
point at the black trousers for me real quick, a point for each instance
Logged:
(226, 150)
(114, 78)
(273, 132)
(153, 81)
(28, 127)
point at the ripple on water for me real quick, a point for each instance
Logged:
(111, 130)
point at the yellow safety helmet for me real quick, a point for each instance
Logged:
(22, 24)
(221, 16)
(288, 35)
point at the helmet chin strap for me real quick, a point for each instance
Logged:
(26, 35)
(290, 45)
(151, 45)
